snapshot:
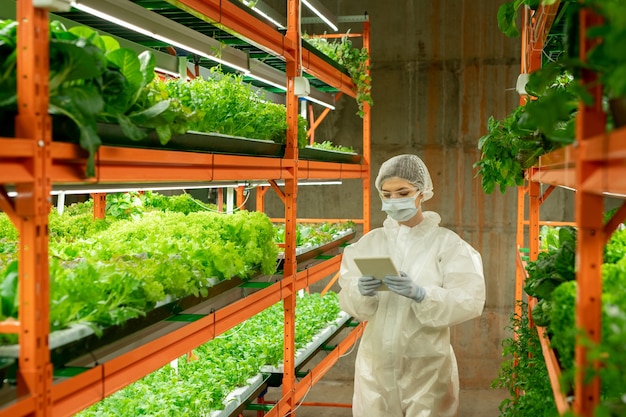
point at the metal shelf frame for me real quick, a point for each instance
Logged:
(594, 168)
(32, 164)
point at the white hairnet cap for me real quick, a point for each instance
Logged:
(409, 168)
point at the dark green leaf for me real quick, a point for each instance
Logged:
(142, 117)
(127, 62)
(8, 291)
(81, 104)
(507, 15)
(132, 131)
(74, 60)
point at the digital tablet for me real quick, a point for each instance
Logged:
(378, 268)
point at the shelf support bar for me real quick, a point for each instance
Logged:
(546, 194)
(615, 222)
(316, 122)
(278, 190)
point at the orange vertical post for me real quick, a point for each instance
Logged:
(534, 194)
(220, 199)
(241, 197)
(99, 205)
(293, 69)
(33, 206)
(520, 242)
(532, 48)
(260, 198)
(522, 190)
(591, 235)
(367, 131)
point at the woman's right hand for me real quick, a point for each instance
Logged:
(367, 285)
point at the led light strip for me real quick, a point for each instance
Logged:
(320, 102)
(80, 5)
(320, 11)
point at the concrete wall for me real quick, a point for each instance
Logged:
(440, 69)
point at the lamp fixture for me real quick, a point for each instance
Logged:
(271, 76)
(140, 20)
(322, 12)
(266, 81)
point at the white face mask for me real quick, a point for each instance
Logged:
(400, 209)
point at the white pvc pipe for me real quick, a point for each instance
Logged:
(60, 203)
(230, 200)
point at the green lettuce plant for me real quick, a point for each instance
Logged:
(225, 104)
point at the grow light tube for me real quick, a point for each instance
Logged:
(172, 42)
(300, 183)
(266, 81)
(271, 76)
(318, 8)
(270, 14)
(69, 189)
(320, 102)
(144, 19)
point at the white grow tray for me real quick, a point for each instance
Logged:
(318, 340)
(239, 396)
(309, 247)
(78, 331)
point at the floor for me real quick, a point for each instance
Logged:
(473, 403)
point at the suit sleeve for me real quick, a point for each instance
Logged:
(462, 295)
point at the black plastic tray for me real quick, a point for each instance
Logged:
(111, 134)
(315, 154)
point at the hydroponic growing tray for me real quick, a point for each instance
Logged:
(328, 155)
(270, 375)
(67, 344)
(305, 353)
(305, 253)
(112, 134)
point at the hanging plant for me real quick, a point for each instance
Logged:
(354, 60)
(544, 124)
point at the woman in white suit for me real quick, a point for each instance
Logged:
(405, 366)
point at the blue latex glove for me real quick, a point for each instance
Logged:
(367, 285)
(405, 286)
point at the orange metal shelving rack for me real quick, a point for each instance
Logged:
(32, 162)
(595, 167)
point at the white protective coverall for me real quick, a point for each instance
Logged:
(405, 366)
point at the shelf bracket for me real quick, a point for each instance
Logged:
(614, 222)
(315, 123)
(276, 188)
(546, 194)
